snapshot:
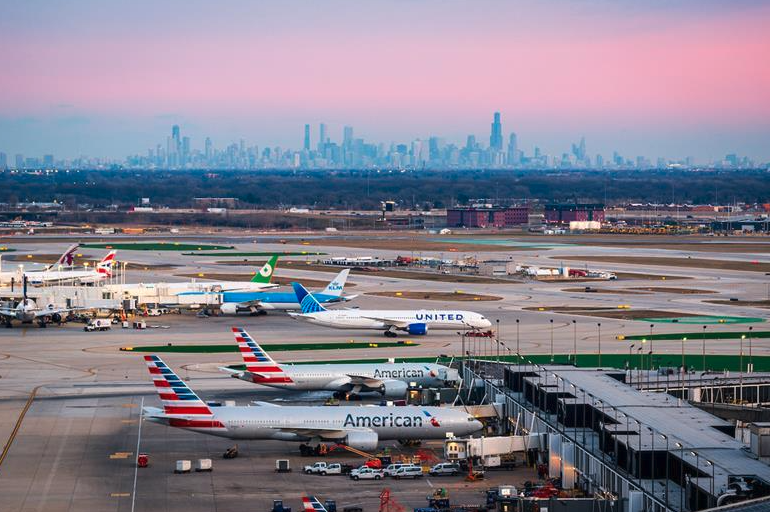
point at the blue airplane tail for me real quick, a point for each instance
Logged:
(307, 302)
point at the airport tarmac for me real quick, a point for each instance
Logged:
(87, 391)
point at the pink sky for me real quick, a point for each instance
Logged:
(391, 74)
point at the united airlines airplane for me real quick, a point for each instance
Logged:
(414, 322)
(389, 379)
(359, 427)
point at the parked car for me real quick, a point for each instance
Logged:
(365, 473)
(408, 471)
(322, 468)
(445, 468)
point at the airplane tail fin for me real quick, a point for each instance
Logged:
(265, 273)
(66, 259)
(311, 504)
(263, 368)
(337, 285)
(307, 302)
(177, 397)
(105, 266)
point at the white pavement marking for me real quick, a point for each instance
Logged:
(136, 460)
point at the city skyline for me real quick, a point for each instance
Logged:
(351, 151)
(675, 79)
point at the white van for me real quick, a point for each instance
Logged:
(409, 471)
(98, 324)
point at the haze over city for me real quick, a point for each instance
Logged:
(657, 79)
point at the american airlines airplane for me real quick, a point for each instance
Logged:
(359, 427)
(414, 322)
(389, 379)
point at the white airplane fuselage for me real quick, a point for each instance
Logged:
(382, 319)
(298, 423)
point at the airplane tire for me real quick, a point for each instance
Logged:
(390, 334)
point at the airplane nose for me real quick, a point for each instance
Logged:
(477, 425)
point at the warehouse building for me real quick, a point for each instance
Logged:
(576, 212)
(487, 217)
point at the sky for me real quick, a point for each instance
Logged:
(669, 78)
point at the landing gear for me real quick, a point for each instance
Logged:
(390, 334)
(42, 324)
(8, 324)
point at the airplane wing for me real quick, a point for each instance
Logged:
(8, 313)
(366, 382)
(389, 322)
(264, 404)
(323, 433)
(51, 311)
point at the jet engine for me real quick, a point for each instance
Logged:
(56, 318)
(229, 308)
(362, 440)
(417, 329)
(393, 389)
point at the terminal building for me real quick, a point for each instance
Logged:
(487, 217)
(647, 450)
(577, 212)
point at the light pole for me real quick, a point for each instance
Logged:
(498, 340)
(574, 342)
(704, 348)
(599, 326)
(751, 360)
(551, 340)
(740, 371)
(651, 326)
(517, 337)
(681, 475)
(684, 367)
(628, 363)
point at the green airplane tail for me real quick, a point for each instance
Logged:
(265, 274)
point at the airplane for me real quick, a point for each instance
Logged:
(205, 292)
(66, 259)
(389, 379)
(27, 311)
(358, 427)
(259, 302)
(414, 322)
(102, 271)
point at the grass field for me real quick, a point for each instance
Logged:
(699, 335)
(158, 246)
(750, 266)
(255, 254)
(713, 362)
(276, 347)
(705, 320)
(433, 295)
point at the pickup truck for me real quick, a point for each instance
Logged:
(366, 473)
(322, 468)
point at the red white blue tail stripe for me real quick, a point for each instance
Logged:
(311, 504)
(177, 397)
(263, 368)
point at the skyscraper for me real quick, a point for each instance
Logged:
(496, 137)
(306, 145)
(321, 137)
(513, 149)
(19, 161)
(347, 136)
(208, 149)
(3, 161)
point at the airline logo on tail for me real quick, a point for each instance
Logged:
(68, 257)
(105, 266)
(180, 403)
(307, 302)
(337, 285)
(265, 274)
(263, 368)
(311, 504)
